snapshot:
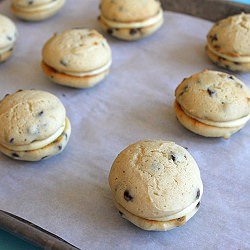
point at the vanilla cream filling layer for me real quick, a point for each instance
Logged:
(89, 73)
(37, 144)
(241, 59)
(230, 124)
(39, 7)
(153, 224)
(153, 20)
(5, 49)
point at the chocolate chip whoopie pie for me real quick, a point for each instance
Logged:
(212, 104)
(156, 185)
(130, 19)
(228, 43)
(33, 125)
(78, 58)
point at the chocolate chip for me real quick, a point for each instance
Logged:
(231, 77)
(217, 46)
(41, 113)
(214, 38)
(59, 147)
(127, 196)
(65, 134)
(198, 204)
(44, 157)
(239, 85)
(184, 90)
(30, 2)
(198, 194)
(62, 62)
(133, 31)
(237, 63)
(11, 140)
(172, 157)
(120, 213)
(211, 92)
(110, 31)
(9, 38)
(15, 155)
(220, 58)
(181, 218)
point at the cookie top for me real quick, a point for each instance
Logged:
(155, 179)
(214, 96)
(230, 37)
(129, 10)
(76, 51)
(28, 116)
(8, 32)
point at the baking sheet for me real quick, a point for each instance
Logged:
(69, 195)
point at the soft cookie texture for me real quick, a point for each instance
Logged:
(228, 43)
(8, 36)
(36, 10)
(156, 185)
(33, 125)
(212, 104)
(78, 58)
(130, 19)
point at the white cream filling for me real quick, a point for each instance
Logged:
(37, 144)
(230, 124)
(6, 48)
(153, 20)
(89, 73)
(39, 7)
(153, 224)
(241, 59)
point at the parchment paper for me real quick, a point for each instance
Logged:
(69, 194)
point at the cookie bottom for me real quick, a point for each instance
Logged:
(36, 15)
(203, 129)
(5, 55)
(54, 148)
(73, 81)
(226, 64)
(153, 225)
(130, 34)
